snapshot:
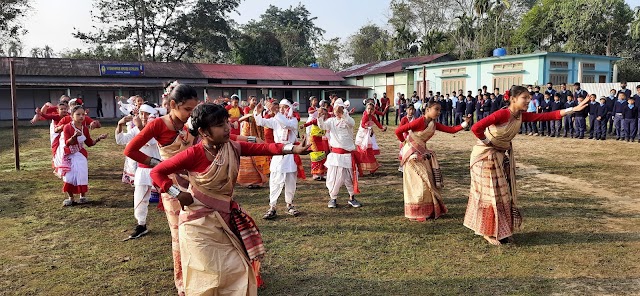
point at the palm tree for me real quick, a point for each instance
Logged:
(47, 51)
(15, 48)
(35, 52)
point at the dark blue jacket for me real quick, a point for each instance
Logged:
(448, 106)
(460, 106)
(630, 113)
(551, 92)
(601, 111)
(626, 91)
(495, 105)
(556, 105)
(580, 92)
(593, 107)
(546, 106)
(469, 108)
(479, 107)
(571, 104)
(619, 107)
(609, 104)
(486, 106)
(564, 94)
(539, 97)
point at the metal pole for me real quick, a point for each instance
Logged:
(14, 112)
(424, 83)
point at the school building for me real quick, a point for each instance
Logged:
(388, 77)
(41, 80)
(505, 71)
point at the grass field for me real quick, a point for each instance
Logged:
(581, 232)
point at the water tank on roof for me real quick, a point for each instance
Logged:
(314, 65)
(499, 52)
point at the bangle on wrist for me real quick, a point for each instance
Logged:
(287, 149)
(174, 191)
(251, 139)
(568, 111)
(154, 162)
(486, 141)
(464, 124)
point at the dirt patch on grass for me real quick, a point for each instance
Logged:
(623, 203)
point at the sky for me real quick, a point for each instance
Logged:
(52, 22)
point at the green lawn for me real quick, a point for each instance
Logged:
(580, 237)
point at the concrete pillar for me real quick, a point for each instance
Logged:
(347, 95)
(270, 93)
(615, 73)
(298, 96)
(240, 94)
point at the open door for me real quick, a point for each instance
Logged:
(108, 103)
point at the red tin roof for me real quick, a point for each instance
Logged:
(255, 72)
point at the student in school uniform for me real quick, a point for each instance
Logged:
(480, 107)
(556, 124)
(564, 93)
(470, 107)
(569, 128)
(623, 89)
(495, 104)
(630, 115)
(486, 107)
(593, 109)
(636, 98)
(545, 106)
(611, 100)
(580, 120)
(618, 108)
(531, 128)
(601, 119)
(577, 91)
(460, 108)
(448, 110)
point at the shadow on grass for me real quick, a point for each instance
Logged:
(536, 238)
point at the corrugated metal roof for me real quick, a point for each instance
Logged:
(391, 66)
(90, 68)
(287, 86)
(255, 72)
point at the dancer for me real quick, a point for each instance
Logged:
(235, 113)
(367, 146)
(341, 162)
(421, 177)
(319, 146)
(74, 168)
(172, 136)
(221, 246)
(283, 167)
(492, 210)
(143, 184)
(253, 169)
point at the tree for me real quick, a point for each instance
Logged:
(294, 27)
(100, 52)
(329, 54)
(11, 12)
(163, 30)
(35, 52)
(258, 48)
(368, 45)
(600, 27)
(47, 52)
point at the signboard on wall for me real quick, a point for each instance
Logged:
(132, 70)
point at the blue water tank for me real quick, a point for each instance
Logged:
(499, 52)
(314, 65)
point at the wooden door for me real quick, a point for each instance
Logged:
(390, 93)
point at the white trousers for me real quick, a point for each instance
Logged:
(279, 180)
(336, 177)
(141, 196)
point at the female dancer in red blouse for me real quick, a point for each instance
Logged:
(172, 136)
(366, 144)
(421, 177)
(220, 245)
(492, 210)
(74, 169)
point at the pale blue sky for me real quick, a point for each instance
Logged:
(52, 21)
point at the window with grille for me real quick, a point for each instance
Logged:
(559, 64)
(508, 67)
(588, 79)
(588, 66)
(558, 79)
(454, 71)
(451, 85)
(505, 82)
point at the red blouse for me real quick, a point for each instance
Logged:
(194, 159)
(419, 124)
(69, 131)
(155, 129)
(51, 116)
(502, 116)
(366, 118)
(67, 119)
(268, 133)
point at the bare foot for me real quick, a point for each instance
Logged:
(492, 241)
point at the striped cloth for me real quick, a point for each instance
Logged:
(247, 230)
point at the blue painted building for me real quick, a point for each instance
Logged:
(502, 72)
